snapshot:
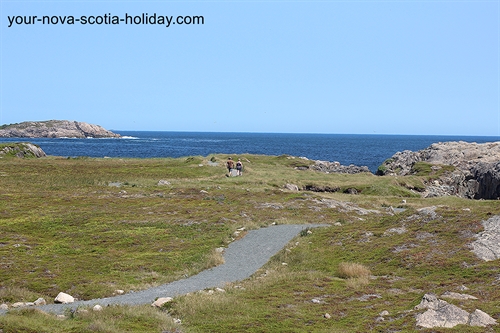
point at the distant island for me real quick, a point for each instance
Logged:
(55, 129)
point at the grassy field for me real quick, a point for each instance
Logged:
(90, 227)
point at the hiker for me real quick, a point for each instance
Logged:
(230, 165)
(239, 168)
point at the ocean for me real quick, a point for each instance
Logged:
(358, 149)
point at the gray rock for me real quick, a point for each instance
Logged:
(476, 173)
(486, 180)
(292, 187)
(446, 316)
(336, 167)
(453, 295)
(480, 318)
(442, 314)
(398, 231)
(487, 245)
(368, 297)
(346, 207)
(40, 301)
(4, 306)
(430, 301)
(55, 129)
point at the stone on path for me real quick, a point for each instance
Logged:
(64, 298)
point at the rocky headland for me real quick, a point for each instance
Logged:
(467, 170)
(55, 129)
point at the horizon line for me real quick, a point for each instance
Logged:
(303, 133)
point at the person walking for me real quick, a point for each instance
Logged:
(229, 165)
(239, 168)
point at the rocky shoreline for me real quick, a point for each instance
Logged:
(473, 170)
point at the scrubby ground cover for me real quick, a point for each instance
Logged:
(89, 227)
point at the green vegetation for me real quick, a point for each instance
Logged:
(430, 170)
(89, 227)
(26, 124)
(9, 150)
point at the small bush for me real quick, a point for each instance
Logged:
(305, 232)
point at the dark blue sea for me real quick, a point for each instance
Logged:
(362, 150)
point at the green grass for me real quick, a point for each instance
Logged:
(426, 169)
(89, 226)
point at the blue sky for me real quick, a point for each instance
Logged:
(356, 67)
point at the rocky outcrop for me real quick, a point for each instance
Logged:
(487, 245)
(443, 314)
(336, 167)
(21, 150)
(467, 170)
(55, 129)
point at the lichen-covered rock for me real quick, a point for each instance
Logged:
(55, 129)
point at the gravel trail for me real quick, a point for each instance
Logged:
(242, 258)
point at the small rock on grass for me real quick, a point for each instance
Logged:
(160, 301)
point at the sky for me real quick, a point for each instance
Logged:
(339, 67)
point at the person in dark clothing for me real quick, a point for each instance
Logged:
(230, 165)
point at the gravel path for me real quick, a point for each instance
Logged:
(242, 258)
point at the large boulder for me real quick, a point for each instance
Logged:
(21, 150)
(473, 169)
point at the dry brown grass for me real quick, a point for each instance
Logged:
(350, 270)
(357, 276)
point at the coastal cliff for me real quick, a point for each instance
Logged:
(55, 129)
